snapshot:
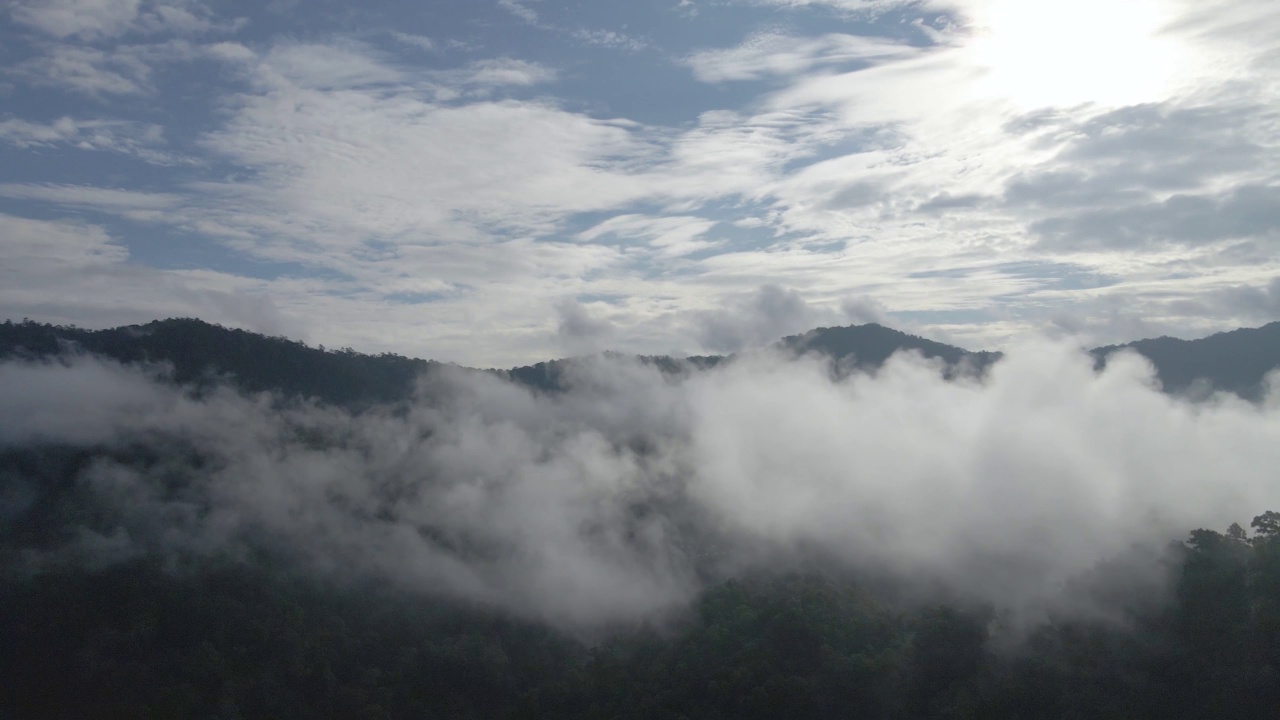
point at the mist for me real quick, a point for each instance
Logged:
(616, 501)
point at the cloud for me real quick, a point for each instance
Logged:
(854, 6)
(757, 319)
(1134, 154)
(595, 37)
(1248, 211)
(579, 331)
(99, 19)
(774, 53)
(1253, 301)
(608, 504)
(336, 66)
(422, 42)
(667, 236)
(73, 272)
(520, 10)
(128, 203)
(1167, 182)
(84, 18)
(87, 70)
(840, 163)
(1248, 303)
(93, 133)
(120, 136)
(609, 39)
(1046, 467)
(65, 243)
(478, 155)
(1152, 175)
(120, 69)
(864, 310)
(506, 71)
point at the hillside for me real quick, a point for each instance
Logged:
(768, 545)
(1235, 361)
(869, 346)
(200, 352)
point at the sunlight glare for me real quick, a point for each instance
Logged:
(1040, 54)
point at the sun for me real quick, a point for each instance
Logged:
(1041, 53)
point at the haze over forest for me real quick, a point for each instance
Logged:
(875, 478)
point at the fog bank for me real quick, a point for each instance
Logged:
(617, 500)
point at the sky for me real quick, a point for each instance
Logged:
(500, 182)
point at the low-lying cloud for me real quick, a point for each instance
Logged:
(619, 499)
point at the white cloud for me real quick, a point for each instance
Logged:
(757, 319)
(1026, 479)
(120, 70)
(506, 71)
(422, 42)
(579, 330)
(57, 242)
(775, 53)
(87, 70)
(852, 6)
(418, 171)
(99, 19)
(132, 138)
(73, 272)
(609, 39)
(106, 199)
(325, 67)
(668, 236)
(229, 52)
(84, 18)
(520, 10)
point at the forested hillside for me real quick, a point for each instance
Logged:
(633, 538)
(200, 352)
(1235, 361)
(222, 640)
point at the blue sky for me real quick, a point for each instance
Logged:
(500, 182)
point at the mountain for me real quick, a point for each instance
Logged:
(1235, 361)
(552, 375)
(201, 353)
(866, 347)
(869, 346)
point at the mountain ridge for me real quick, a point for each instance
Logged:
(1233, 360)
(203, 353)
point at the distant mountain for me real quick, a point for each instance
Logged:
(869, 346)
(202, 353)
(863, 346)
(552, 375)
(1235, 361)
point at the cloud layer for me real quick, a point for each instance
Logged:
(617, 500)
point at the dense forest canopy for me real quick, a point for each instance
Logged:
(202, 522)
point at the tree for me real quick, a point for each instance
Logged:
(1267, 524)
